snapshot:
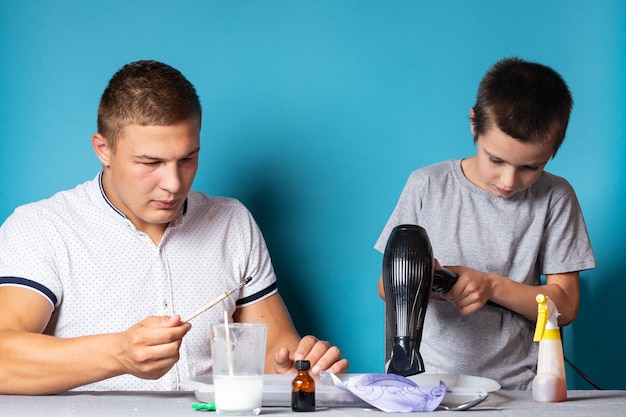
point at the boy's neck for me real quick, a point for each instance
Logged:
(469, 167)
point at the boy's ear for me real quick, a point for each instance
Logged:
(101, 148)
(472, 114)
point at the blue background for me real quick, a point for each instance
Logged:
(315, 113)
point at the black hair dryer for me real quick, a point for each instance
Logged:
(408, 272)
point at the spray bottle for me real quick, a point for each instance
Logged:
(549, 385)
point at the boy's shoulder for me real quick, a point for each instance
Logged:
(438, 167)
(551, 183)
(438, 171)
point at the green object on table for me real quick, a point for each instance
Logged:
(204, 406)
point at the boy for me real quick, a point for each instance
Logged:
(499, 221)
(81, 271)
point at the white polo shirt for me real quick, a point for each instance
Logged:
(103, 275)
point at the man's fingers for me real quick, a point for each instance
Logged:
(282, 363)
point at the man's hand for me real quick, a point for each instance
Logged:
(322, 355)
(151, 347)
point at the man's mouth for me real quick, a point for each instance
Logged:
(165, 204)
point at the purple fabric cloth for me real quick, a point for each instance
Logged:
(393, 393)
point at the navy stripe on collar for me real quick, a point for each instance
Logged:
(105, 196)
(115, 208)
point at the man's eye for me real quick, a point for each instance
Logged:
(496, 161)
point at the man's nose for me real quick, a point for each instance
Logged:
(170, 180)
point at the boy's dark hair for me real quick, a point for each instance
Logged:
(146, 93)
(528, 101)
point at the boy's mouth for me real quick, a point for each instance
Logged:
(505, 192)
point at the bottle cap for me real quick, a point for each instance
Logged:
(303, 365)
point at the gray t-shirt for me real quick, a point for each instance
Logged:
(538, 231)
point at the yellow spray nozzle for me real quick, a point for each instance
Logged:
(542, 316)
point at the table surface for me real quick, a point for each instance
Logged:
(156, 404)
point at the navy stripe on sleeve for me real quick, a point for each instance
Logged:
(257, 295)
(30, 284)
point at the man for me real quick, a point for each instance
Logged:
(93, 281)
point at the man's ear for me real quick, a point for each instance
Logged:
(472, 114)
(102, 148)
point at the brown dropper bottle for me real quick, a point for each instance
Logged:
(303, 388)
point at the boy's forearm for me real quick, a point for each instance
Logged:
(521, 298)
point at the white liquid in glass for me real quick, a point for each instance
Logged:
(238, 394)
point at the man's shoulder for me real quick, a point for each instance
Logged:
(203, 204)
(63, 213)
(199, 199)
(62, 201)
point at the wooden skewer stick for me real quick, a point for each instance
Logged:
(218, 299)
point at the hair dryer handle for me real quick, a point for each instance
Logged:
(443, 280)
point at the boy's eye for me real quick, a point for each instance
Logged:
(495, 161)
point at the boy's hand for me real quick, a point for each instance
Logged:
(471, 291)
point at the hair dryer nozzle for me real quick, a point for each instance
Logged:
(408, 270)
(405, 357)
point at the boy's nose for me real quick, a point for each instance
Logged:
(509, 178)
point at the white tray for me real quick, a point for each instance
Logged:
(277, 389)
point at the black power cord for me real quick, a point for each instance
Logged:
(574, 367)
(532, 325)
(582, 374)
(444, 279)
